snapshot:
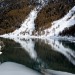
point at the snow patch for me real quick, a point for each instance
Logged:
(10, 68)
(59, 25)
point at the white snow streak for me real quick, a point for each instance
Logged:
(59, 25)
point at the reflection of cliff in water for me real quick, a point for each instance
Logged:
(64, 48)
(56, 54)
(40, 54)
(21, 51)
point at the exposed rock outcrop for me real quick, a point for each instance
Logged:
(13, 13)
(55, 10)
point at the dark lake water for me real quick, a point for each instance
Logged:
(40, 54)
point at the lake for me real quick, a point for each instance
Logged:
(41, 55)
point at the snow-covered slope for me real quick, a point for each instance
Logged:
(59, 25)
(28, 26)
(10, 68)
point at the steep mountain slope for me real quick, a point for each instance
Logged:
(28, 26)
(53, 11)
(43, 19)
(60, 25)
(12, 13)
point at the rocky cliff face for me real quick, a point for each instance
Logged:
(68, 31)
(53, 11)
(13, 13)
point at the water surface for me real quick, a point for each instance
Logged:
(40, 55)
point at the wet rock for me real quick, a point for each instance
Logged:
(1, 46)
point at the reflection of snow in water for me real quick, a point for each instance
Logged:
(56, 45)
(10, 68)
(0, 49)
(1, 46)
(28, 46)
(59, 47)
